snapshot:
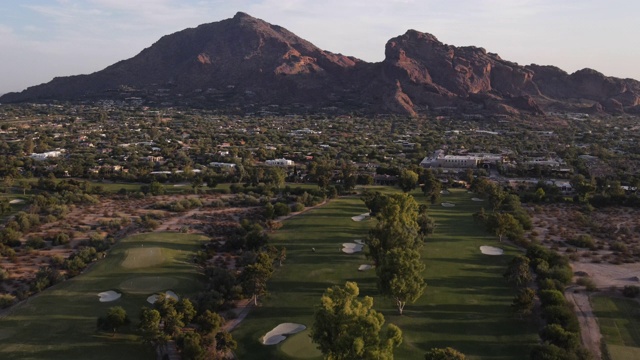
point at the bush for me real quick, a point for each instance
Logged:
(552, 298)
(297, 207)
(281, 209)
(563, 316)
(583, 241)
(6, 300)
(587, 283)
(631, 291)
(35, 242)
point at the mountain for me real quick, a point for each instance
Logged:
(244, 62)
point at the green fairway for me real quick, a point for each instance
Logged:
(466, 304)
(619, 325)
(60, 323)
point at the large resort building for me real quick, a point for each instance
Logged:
(439, 160)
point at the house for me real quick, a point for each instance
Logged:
(280, 162)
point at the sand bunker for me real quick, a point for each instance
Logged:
(360, 217)
(445, 192)
(168, 295)
(446, 204)
(477, 199)
(280, 332)
(108, 296)
(365, 267)
(359, 242)
(491, 250)
(16, 201)
(351, 248)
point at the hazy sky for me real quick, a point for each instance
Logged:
(41, 39)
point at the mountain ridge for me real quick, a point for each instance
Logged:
(244, 60)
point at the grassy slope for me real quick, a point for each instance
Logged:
(619, 325)
(60, 323)
(465, 306)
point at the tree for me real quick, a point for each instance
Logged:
(150, 327)
(431, 186)
(25, 185)
(254, 277)
(5, 206)
(116, 317)
(523, 302)
(275, 177)
(503, 224)
(408, 180)
(346, 327)
(518, 272)
(400, 276)
(191, 345)
(209, 322)
(282, 255)
(186, 308)
(396, 226)
(444, 354)
(225, 342)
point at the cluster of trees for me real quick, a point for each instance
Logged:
(394, 246)
(507, 217)
(199, 334)
(561, 333)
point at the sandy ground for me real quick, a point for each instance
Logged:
(606, 267)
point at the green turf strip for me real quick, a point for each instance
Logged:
(466, 304)
(60, 323)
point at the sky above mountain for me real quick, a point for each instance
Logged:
(41, 39)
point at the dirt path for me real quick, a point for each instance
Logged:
(242, 310)
(589, 329)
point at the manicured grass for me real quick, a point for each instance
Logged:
(620, 325)
(60, 323)
(466, 304)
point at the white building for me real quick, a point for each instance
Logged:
(222, 165)
(46, 155)
(439, 160)
(280, 162)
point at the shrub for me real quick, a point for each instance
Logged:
(297, 207)
(631, 291)
(281, 209)
(6, 300)
(583, 241)
(552, 298)
(35, 242)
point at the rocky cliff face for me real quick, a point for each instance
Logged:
(267, 64)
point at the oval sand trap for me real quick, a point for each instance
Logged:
(446, 204)
(108, 296)
(445, 192)
(365, 267)
(351, 248)
(143, 257)
(360, 217)
(16, 201)
(491, 250)
(477, 199)
(280, 332)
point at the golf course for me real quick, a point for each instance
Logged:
(60, 322)
(619, 325)
(466, 304)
